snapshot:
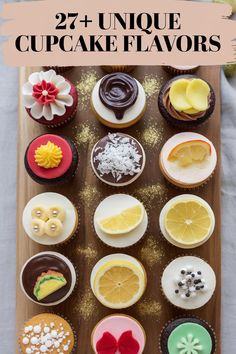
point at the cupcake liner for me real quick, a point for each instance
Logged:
(176, 71)
(186, 316)
(162, 291)
(73, 351)
(118, 68)
(181, 123)
(125, 247)
(59, 69)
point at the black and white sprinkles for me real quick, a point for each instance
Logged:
(190, 283)
(119, 157)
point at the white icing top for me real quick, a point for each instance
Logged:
(57, 95)
(47, 199)
(172, 277)
(112, 205)
(191, 174)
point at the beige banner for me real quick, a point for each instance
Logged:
(88, 32)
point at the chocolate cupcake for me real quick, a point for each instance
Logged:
(59, 69)
(50, 99)
(186, 101)
(188, 335)
(181, 69)
(118, 100)
(118, 68)
(118, 159)
(51, 159)
(48, 278)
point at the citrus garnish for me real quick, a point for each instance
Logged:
(119, 284)
(124, 222)
(197, 94)
(177, 95)
(188, 222)
(190, 152)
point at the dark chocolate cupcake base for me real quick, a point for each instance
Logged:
(184, 123)
(59, 180)
(172, 325)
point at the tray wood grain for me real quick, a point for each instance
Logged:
(82, 309)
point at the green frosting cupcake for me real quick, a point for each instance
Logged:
(189, 338)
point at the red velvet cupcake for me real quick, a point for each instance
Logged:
(51, 159)
(50, 99)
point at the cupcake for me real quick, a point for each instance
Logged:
(51, 159)
(188, 282)
(120, 333)
(187, 221)
(120, 220)
(50, 219)
(48, 278)
(59, 69)
(188, 160)
(188, 335)
(181, 69)
(46, 333)
(113, 275)
(186, 101)
(118, 159)
(118, 68)
(50, 99)
(118, 100)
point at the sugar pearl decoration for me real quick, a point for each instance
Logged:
(37, 329)
(34, 340)
(43, 348)
(25, 340)
(28, 351)
(46, 329)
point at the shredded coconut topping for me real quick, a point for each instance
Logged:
(120, 157)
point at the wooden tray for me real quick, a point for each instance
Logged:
(86, 191)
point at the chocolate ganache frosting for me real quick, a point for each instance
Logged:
(118, 92)
(42, 263)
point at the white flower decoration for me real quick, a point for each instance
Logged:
(189, 345)
(56, 103)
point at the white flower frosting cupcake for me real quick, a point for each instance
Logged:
(49, 99)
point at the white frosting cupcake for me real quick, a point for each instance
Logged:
(112, 205)
(192, 175)
(47, 200)
(188, 282)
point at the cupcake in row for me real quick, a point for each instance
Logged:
(118, 333)
(118, 99)
(118, 281)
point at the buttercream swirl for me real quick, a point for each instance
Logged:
(179, 115)
(47, 94)
(118, 92)
(48, 156)
(189, 345)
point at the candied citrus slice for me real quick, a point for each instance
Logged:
(190, 152)
(188, 222)
(177, 95)
(197, 94)
(124, 222)
(119, 284)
